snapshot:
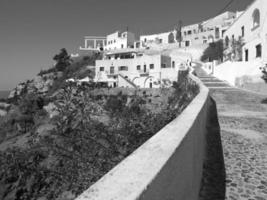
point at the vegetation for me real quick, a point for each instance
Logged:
(91, 134)
(213, 52)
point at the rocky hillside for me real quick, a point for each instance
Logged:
(57, 138)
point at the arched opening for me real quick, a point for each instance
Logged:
(256, 18)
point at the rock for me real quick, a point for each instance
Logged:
(5, 106)
(3, 113)
(51, 109)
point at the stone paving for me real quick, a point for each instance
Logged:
(243, 123)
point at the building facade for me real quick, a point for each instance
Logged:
(248, 34)
(136, 69)
(208, 31)
(161, 38)
(120, 40)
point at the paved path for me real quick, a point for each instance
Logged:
(243, 123)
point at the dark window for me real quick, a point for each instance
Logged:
(173, 64)
(151, 66)
(246, 55)
(102, 69)
(123, 68)
(189, 32)
(243, 31)
(112, 70)
(187, 43)
(138, 67)
(258, 50)
(163, 65)
(144, 68)
(122, 46)
(217, 33)
(223, 31)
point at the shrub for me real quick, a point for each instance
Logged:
(213, 52)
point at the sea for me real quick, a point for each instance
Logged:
(4, 94)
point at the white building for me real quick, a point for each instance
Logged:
(130, 68)
(208, 31)
(120, 40)
(251, 29)
(160, 38)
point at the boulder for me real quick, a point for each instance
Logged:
(3, 113)
(51, 109)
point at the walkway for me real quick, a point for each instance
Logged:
(243, 122)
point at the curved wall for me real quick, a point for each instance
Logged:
(167, 167)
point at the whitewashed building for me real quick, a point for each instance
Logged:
(251, 29)
(208, 31)
(131, 68)
(160, 38)
(120, 40)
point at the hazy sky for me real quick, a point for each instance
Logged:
(32, 31)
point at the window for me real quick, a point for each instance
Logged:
(173, 64)
(122, 46)
(138, 67)
(145, 39)
(101, 69)
(144, 68)
(151, 66)
(196, 38)
(217, 33)
(114, 41)
(255, 19)
(204, 41)
(111, 70)
(223, 31)
(258, 50)
(243, 31)
(163, 65)
(185, 33)
(123, 68)
(187, 43)
(189, 32)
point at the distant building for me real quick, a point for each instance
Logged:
(120, 40)
(160, 38)
(208, 31)
(251, 29)
(131, 68)
(93, 43)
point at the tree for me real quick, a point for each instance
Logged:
(179, 33)
(62, 60)
(213, 52)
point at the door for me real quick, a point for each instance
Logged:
(246, 55)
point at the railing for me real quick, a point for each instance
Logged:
(168, 166)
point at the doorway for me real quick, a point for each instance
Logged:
(246, 55)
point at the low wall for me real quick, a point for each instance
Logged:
(246, 75)
(168, 166)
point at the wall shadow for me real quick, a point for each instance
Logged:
(213, 180)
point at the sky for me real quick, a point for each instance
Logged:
(33, 31)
